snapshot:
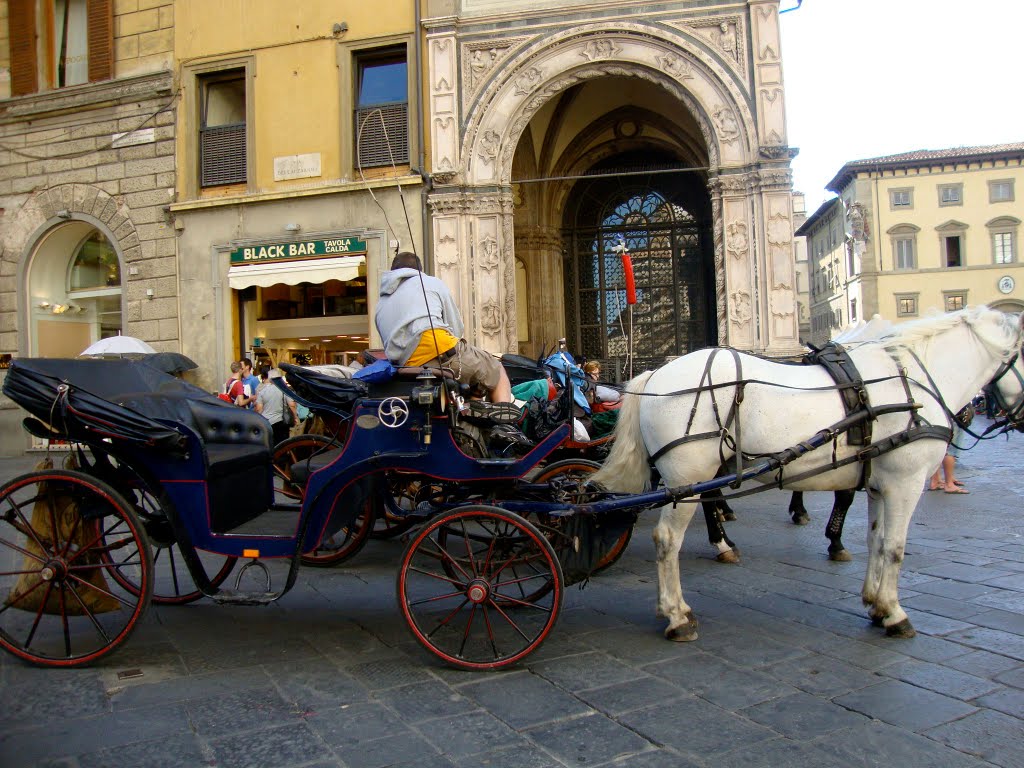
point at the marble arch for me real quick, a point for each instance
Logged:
(671, 59)
(748, 164)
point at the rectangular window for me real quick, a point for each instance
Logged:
(382, 108)
(950, 194)
(906, 305)
(951, 246)
(853, 310)
(1002, 248)
(901, 198)
(1000, 191)
(59, 43)
(223, 158)
(904, 253)
(954, 301)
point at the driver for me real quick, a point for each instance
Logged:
(427, 333)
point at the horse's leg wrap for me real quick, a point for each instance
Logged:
(834, 530)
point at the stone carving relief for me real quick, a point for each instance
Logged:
(488, 253)
(599, 49)
(738, 242)
(480, 59)
(677, 67)
(491, 321)
(443, 70)
(857, 214)
(444, 121)
(739, 309)
(726, 34)
(728, 128)
(782, 299)
(527, 81)
(489, 145)
(447, 246)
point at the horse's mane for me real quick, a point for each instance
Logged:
(994, 328)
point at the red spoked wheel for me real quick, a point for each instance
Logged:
(290, 452)
(462, 586)
(575, 490)
(60, 532)
(172, 581)
(347, 541)
(406, 492)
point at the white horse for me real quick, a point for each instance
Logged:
(736, 402)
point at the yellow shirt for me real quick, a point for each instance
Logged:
(432, 346)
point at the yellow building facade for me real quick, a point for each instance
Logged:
(296, 136)
(930, 230)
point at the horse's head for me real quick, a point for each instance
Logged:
(1006, 388)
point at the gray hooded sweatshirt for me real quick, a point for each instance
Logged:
(401, 317)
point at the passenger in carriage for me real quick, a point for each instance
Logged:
(420, 325)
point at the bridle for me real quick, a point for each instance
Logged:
(1014, 412)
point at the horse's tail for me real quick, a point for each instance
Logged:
(626, 469)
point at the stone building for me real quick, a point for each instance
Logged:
(928, 230)
(559, 130)
(87, 109)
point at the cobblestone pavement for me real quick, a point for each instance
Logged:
(787, 670)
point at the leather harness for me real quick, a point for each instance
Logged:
(857, 424)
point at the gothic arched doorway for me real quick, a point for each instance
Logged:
(664, 220)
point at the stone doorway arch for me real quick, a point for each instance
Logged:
(473, 201)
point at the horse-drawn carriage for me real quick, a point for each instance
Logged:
(166, 469)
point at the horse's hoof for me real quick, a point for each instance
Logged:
(684, 633)
(840, 556)
(903, 629)
(728, 516)
(801, 519)
(730, 556)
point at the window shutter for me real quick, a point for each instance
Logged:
(101, 40)
(384, 137)
(21, 29)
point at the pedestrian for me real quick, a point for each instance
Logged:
(251, 383)
(272, 404)
(420, 325)
(944, 478)
(234, 389)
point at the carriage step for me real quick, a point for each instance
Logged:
(246, 598)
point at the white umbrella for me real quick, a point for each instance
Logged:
(119, 345)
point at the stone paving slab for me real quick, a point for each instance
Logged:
(787, 670)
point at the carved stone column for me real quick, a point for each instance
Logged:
(473, 254)
(781, 329)
(540, 250)
(444, 105)
(735, 262)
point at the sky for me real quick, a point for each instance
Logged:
(866, 78)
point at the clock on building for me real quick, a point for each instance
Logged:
(1005, 284)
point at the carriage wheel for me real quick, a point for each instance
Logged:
(290, 452)
(461, 585)
(406, 492)
(345, 543)
(579, 469)
(58, 538)
(172, 581)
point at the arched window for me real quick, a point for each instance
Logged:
(94, 267)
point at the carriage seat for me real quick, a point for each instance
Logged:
(236, 445)
(300, 472)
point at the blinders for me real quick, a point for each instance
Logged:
(1015, 411)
